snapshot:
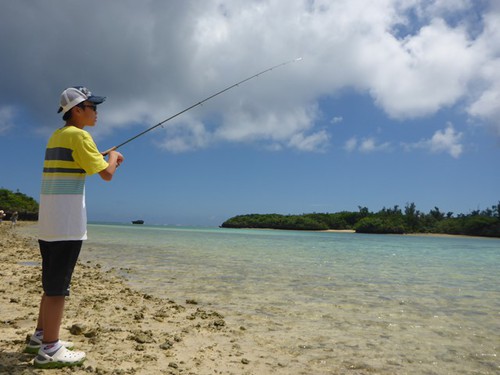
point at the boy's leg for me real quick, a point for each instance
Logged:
(50, 317)
(58, 262)
(39, 323)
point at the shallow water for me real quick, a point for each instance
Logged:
(340, 302)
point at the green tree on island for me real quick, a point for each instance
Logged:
(387, 220)
(16, 201)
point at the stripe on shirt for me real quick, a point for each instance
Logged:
(59, 153)
(63, 170)
(62, 186)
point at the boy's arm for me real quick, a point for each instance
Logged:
(114, 160)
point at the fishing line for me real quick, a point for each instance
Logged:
(200, 103)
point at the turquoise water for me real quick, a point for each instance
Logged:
(373, 303)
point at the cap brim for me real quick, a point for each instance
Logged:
(96, 99)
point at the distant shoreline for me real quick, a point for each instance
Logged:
(338, 231)
(484, 223)
(443, 235)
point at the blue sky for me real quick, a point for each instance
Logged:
(392, 103)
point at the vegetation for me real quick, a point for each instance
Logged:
(388, 220)
(26, 206)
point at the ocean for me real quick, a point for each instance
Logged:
(382, 304)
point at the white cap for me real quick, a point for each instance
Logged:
(75, 95)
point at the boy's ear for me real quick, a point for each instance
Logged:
(76, 109)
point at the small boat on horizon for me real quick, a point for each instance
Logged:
(137, 221)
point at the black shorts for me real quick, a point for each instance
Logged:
(58, 262)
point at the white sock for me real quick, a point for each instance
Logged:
(38, 334)
(52, 347)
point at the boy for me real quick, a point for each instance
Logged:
(71, 154)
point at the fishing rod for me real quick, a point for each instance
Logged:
(199, 103)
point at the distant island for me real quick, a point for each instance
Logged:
(394, 220)
(11, 202)
(485, 223)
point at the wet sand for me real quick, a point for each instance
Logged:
(122, 330)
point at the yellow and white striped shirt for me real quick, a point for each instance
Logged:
(70, 156)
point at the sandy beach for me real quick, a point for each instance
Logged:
(122, 330)
(404, 318)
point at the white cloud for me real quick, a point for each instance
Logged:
(487, 107)
(154, 58)
(486, 103)
(336, 120)
(419, 75)
(185, 136)
(370, 145)
(287, 126)
(366, 145)
(351, 144)
(6, 119)
(447, 141)
(313, 142)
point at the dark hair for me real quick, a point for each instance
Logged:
(67, 115)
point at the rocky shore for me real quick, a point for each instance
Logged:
(122, 330)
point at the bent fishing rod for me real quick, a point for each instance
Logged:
(199, 103)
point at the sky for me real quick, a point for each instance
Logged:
(392, 102)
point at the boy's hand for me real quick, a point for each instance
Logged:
(116, 157)
(114, 160)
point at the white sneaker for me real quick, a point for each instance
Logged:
(61, 358)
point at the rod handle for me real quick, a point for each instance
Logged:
(104, 153)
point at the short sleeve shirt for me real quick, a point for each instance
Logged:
(70, 156)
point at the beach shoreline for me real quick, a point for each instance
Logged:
(123, 331)
(175, 325)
